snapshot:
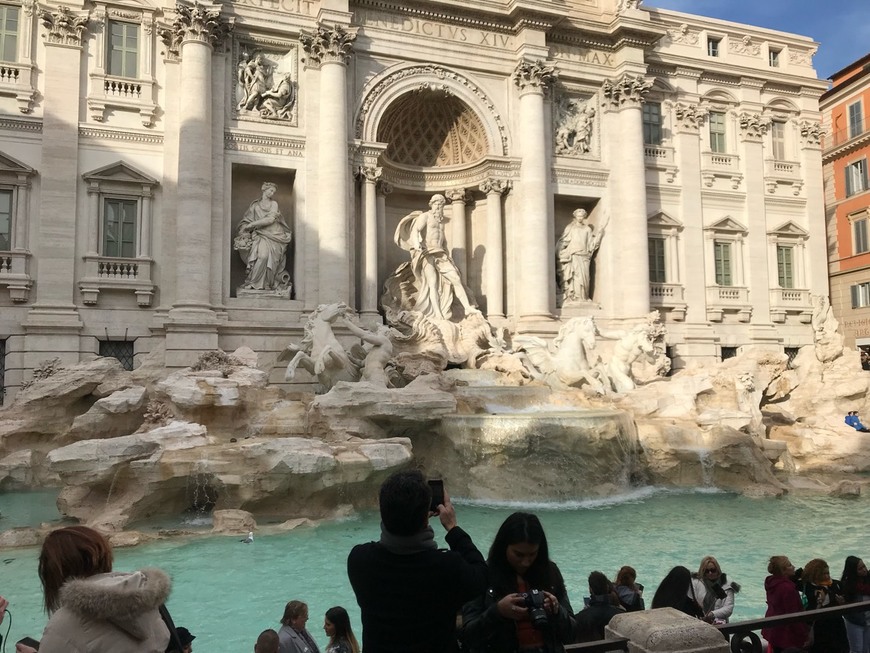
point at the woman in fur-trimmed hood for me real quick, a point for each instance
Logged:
(95, 610)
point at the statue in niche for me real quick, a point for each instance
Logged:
(574, 252)
(262, 242)
(429, 283)
(574, 133)
(262, 90)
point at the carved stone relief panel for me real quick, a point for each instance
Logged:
(265, 86)
(574, 120)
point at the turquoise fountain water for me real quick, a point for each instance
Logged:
(226, 592)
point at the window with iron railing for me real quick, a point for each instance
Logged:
(119, 349)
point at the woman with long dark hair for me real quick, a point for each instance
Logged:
(526, 607)
(629, 591)
(855, 584)
(675, 591)
(336, 625)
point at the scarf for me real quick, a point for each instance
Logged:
(408, 544)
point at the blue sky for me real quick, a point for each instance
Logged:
(842, 27)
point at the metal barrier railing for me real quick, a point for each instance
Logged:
(742, 633)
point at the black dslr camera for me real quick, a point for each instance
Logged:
(535, 604)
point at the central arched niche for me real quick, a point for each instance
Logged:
(431, 129)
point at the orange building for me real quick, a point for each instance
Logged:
(846, 114)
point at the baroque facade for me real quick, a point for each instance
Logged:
(846, 117)
(196, 176)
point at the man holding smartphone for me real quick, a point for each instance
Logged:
(407, 589)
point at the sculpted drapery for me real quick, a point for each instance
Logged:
(262, 242)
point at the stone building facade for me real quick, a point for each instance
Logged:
(136, 137)
(846, 117)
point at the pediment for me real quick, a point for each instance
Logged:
(790, 229)
(662, 219)
(10, 165)
(120, 172)
(727, 224)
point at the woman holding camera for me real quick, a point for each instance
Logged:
(713, 591)
(526, 608)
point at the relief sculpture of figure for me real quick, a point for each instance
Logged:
(378, 353)
(255, 77)
(574, 252)
(430, 282)
(262, 242)
(574, 133)
(278, 102)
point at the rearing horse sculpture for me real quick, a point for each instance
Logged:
(320, 353)
(570, 360)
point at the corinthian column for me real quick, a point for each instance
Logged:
(493, 263)
(459, 231)
(369, 293)
(330, 49)
(194, 33)
(630, 258)
(533, 298)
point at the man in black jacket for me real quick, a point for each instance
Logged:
(408, 590)
(602, 607)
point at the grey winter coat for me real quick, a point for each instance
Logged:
(110, 613)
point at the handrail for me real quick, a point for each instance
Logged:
(739, 631)
(845, 135)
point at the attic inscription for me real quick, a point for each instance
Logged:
(412, 25)
(583, 55)
(298, 7)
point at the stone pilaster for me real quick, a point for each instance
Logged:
(533, 78)
(753, 126)
(628, 228)
(811, 169)
(53, 324)
(370, 175)
(330, 48)
(459, 231)
(193, 35)
(383, 189)
(494, 259)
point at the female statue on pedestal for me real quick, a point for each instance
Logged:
(574, 252)
(262, 242)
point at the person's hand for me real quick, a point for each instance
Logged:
(446, 513)
(709, 617)
(551, 603)
(513, 607)
(24, 648)
(3, 604)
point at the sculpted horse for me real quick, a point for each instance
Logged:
(320, 353)
(569, 360)
(636, 343)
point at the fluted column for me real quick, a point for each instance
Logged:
(331, 48)
(493, 262)
(383, 189)
(533, 299)
(459, 231)
(811, 169)
(194, 33)
(753, 127)
(369, 291)
(628, 232)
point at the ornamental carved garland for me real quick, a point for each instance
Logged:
(325, 44)
(195, 22)
(627, 90)
(430, 70)
(64, 27)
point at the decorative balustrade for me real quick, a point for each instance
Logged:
(16, 80)
(720, 165)
(668, 296)
(121, 93)
(117, 274)
(782, 169)
(11, 73)
(728, 299)
(123, 88)
(14, 275)
(790, 300)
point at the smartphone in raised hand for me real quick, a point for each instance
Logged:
(437, 487)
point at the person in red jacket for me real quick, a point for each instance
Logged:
(783, 598)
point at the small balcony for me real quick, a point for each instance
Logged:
(124, 274)
(14, 275)
(719, 165)
(785, 173)
(668, 297)
(660, 158)
(16, 80)
(785, 301)
(728, 299)
(122, 93)
(856, 132)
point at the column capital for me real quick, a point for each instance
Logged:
(456, 195)
(690, 117)
(327, 44)
(626, 91)
(753, 126)
(384, 187)
(811, 133)
(534, 76)
(370, 173)
(494, 186)
(64, 27)
(195, 22)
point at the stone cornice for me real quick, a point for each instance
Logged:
(147, 138)
(580, 177)
(472, 18)
(32, 126)
(247, 141)
(437, 179)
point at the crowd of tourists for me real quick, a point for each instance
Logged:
(417, 598)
